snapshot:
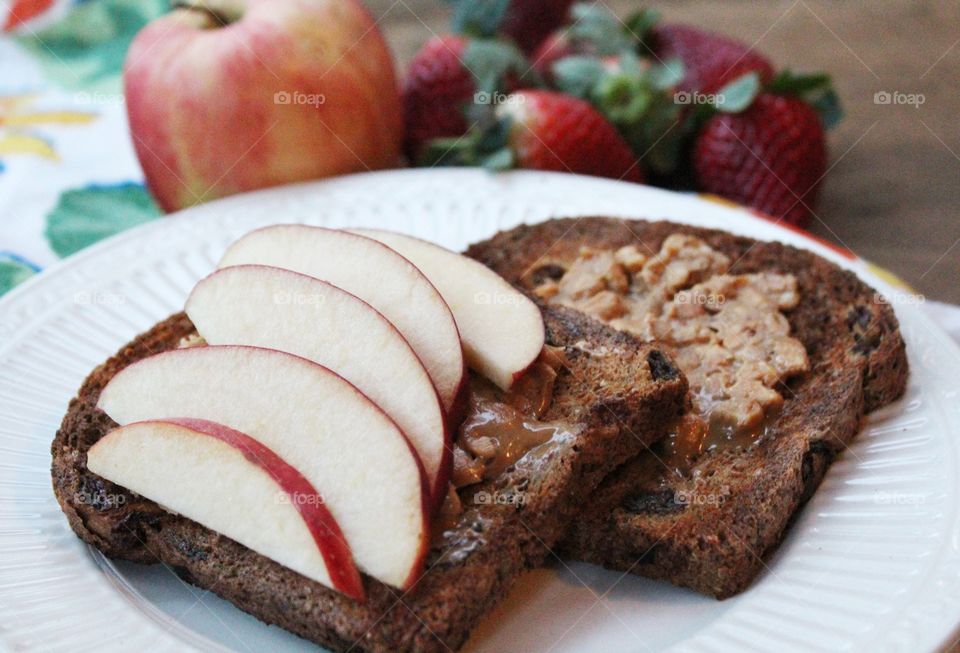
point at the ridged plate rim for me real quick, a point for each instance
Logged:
(455, 207)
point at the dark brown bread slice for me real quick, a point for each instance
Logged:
(615, 405)
(711, 529)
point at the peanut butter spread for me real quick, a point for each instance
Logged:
(500, 427)
(728, 331)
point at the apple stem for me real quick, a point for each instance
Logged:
(218, 17)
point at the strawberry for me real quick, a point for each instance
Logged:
(593, 30)
(528, 22)
(443, 81)
(553, 48)
(770, 156)
(436, 86)
(525, 22)
(543, 130)
(710, 60)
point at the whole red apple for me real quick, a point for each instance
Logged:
(225, 96)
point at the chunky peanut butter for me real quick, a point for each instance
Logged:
(728, 331)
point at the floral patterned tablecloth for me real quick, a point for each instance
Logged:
(68, 173)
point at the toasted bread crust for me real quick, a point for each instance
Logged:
(615, 406)
(736, 504)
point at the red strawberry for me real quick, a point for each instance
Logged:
(710, 60)
(544, 130)
(771, 156)
(552, 131)
(529, 22)
(447, 77)
(436, 87)
(553, 48)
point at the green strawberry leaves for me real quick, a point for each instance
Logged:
(487, 146)
(815, 88)
(829, 107)
(789, 83)
(632, 93)
(492, 61)
(595, 26)
(738, 94)
(478, 18)
(497, 66)
(578, 75)
(640, 23)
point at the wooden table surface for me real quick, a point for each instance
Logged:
(889, 195)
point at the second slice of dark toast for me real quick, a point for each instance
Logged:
(711, 528)
(614, 406)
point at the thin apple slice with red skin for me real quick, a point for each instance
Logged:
(501, 328)
(280, 309)
(232, 484)
(344, 445)
(377, 275)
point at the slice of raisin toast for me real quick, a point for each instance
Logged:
(708, 522)
(604, 409)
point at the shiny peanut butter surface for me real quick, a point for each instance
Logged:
(501, 427)
(499, 430)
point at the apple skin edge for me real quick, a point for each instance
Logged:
(426, 498)
(438, 490)
(427, 502)
(447, 400)
(325, 530)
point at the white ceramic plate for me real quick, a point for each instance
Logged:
(872, 564)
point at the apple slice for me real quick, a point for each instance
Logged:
(344, 445)
(279, 309)
(377, 275)
(502, 330)
(230, 483)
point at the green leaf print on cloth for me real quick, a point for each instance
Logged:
(14, 270)
(85, 50)
(87, 215)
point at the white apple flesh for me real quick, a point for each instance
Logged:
(377, 275)
(343, 444)
(280, 309)
(229, 482)
(502, 330)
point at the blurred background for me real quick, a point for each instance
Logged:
(891, 195)
(69, 176)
